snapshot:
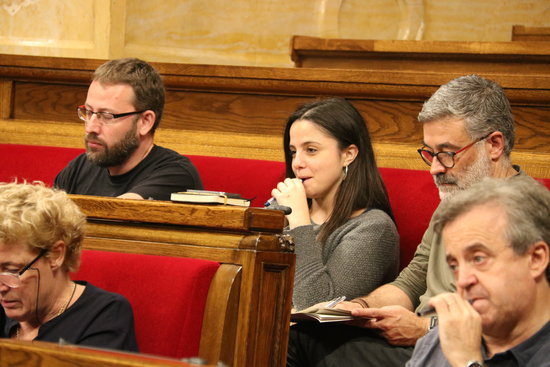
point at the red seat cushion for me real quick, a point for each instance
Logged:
(412, 193)
(33, 162)
(413, 198)
(545, 182)
(252, 178)
(167, 294)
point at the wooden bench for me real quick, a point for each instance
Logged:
(251, 329)
(523, 33)
(519, 57)
(240, 112)
(413, 195)
(172, 297)
(18, 353)
(251, 178)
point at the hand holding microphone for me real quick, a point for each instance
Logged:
(291, 193)
(274, 205)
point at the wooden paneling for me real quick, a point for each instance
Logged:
(446, 56)
(52, 102)
(522, 33)
(229, 112)
(234, 111)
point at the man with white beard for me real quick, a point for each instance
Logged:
(468, 133)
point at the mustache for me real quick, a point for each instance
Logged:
(442, 179)
(93, 138)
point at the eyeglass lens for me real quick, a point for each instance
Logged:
(443, 158)
(13, 280)
(86, 114)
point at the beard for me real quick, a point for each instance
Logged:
(449, 184)
(116, 154)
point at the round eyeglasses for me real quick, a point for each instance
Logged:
(13, 280)
(105, 118)
(447, 159)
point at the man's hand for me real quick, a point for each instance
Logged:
(131, 195)
(459, 328)
(347, 305)
(397, 324)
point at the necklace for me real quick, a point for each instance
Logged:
(63, 309)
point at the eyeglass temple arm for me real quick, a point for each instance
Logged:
(40, 254)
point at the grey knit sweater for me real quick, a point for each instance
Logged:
(357, 257)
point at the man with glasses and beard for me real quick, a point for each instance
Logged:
(468, 133)
(123, 109)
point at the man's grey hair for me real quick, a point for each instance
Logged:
(525, 201)
(479, 101)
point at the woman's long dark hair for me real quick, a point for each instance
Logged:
(363, 186)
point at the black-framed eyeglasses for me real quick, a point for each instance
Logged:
(105, 118)
(13, 280)
(447, 159)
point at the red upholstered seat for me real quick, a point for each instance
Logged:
(168, 296)
(33, 162)
(414, 198)
(413, 195)
(252, 178)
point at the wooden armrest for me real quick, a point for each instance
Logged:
(219, 326)
(20, 353)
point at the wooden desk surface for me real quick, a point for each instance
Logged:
(16, 353)
(525, 57)
(218, 217)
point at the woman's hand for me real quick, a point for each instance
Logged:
(291, 193)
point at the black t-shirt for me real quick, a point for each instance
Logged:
(97, 319)
(160, 173)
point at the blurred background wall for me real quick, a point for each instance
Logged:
(245, 32)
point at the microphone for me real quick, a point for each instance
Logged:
(273, 205)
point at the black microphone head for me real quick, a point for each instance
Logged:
(285, 209)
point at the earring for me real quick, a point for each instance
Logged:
(345, 173)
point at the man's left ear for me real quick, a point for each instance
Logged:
(146, 122)
(56, 255)
(539, 258)
(349, 154)
(496, 141)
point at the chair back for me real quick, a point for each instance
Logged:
(167, 294)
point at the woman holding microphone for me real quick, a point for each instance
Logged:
(341, 221)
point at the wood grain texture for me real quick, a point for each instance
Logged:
(446, 56)
(522, 33)
(248, 239)
(233, 111)
(16, 353)
(6, 100)
(218, 320)
(220, 217)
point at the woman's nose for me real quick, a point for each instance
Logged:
(297, 161)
